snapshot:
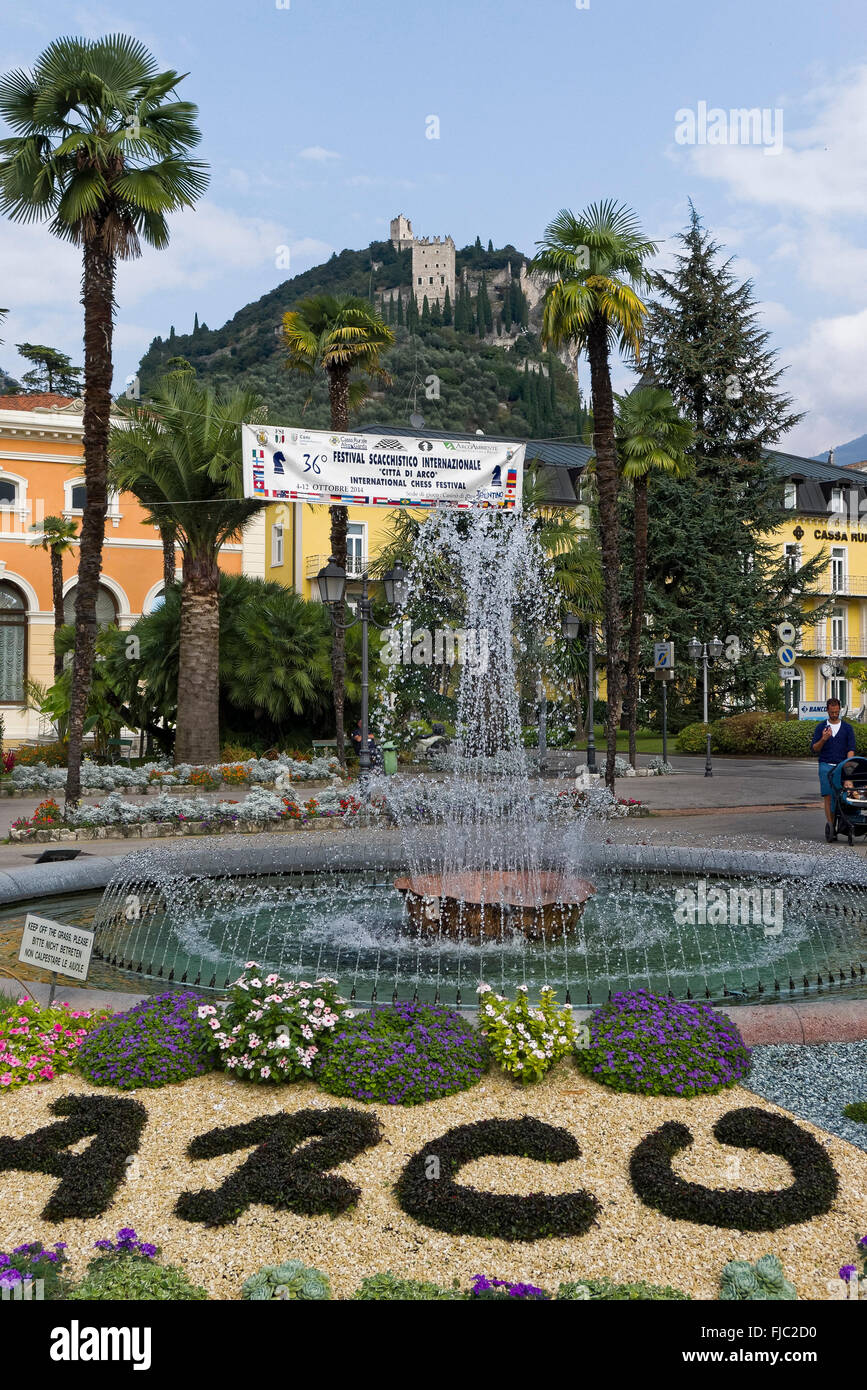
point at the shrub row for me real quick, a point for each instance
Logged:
(760, 735)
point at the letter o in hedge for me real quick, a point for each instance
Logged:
(450, 1206)
(811, 1194)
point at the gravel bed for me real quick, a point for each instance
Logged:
(814, 1082)
(629, 1241)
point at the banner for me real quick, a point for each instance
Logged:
(369, 470)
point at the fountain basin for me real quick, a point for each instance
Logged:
(484, 903)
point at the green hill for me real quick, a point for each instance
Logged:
(481, 385)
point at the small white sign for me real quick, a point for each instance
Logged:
(56, 946)
(813, 710)
(663, 656)
(786, 633)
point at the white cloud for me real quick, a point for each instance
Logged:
(828, 371)
(318, 153)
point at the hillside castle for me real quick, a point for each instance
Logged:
(433, 262)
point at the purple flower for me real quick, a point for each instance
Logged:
(847, 1271)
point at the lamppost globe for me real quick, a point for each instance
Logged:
(394, 582)
(694, 647)
(715, 647)
(570, 625)
(331, 580)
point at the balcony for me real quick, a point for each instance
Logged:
(355, 565)
(844, 586)
(819, 644)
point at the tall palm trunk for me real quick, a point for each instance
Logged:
(639, 500)
(197, 738)
(98, 300)
(57, 600)
(338, 391)
(607, 480)
(167, 537)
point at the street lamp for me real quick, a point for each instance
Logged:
(331, 580)
(571, 625)
(701, 652)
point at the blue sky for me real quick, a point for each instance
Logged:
(314, 121)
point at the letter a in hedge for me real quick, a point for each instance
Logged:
(275, 1175)
(89, 1180)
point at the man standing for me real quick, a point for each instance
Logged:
(834, 742)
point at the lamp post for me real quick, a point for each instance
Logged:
(702, 652)
(331, 580)
(570, 626)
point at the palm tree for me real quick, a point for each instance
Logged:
(651, 438)
(343, 337)
(56, 536)
(593, 266)
(101, 147)
(180, 455)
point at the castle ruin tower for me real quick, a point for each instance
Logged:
(401, 232)
(433, 270)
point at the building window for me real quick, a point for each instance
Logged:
(8, 493)
(78, 497)
(793, 690)
(13, 644)
(838, 570)
(355, 548)
(276, 545)
(837, 506)
(419, 279)
(106, 608)
(158, 601)
(793, 558)
(790, 495)
(838, 689)
(838, 632)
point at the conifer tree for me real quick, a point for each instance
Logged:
(713, 567)
(490, 247)
(436, 315)
(448, 317)
(195, 323)
(425, 313)
(507, 307)
(400, 318)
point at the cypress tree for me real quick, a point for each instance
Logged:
(490, 247)
(195, 323)
(448, 317)
(425, 313)
(507, 307)
(436, 315)
(711, 566)
(400, 309)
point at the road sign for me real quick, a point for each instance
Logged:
(662, 673)
(786, 633)
(663, 656)
(786, 656)
(56, 946)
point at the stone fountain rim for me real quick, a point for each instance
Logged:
(258, 856)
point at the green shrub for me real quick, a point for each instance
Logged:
(763, 1281)
(525, 1041)
(856, 1111)
(130, 1278)
(693, 738)
(292, 1279)
(590, 1290)
(390, 1287)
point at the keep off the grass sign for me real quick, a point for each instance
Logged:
(56, 946)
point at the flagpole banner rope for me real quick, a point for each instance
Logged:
(363, 470)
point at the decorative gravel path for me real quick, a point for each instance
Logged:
(629, 1241)
(814, 1082)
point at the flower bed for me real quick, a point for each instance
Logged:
(403, 1054)
(37, 1044)
(161, 1040)
(273, 1030)
(29, 776)
(652, 1044)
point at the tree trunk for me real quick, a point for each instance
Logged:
(638, 580)
(168, 539)
(197, 737)
(98, 300)
(338, 390)
(607, 479)
(57, 600)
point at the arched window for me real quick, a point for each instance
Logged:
(106, 608)
(13, 644)
(8, 492)
(78, 497)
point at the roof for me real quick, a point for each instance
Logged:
(38, 400)
(792, 465)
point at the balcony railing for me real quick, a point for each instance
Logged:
(818, 644)
(355, 565)
(845, 585)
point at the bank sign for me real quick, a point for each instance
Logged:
(369, 470)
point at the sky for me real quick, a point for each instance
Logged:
(322, 119)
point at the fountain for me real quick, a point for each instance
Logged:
(492, 902)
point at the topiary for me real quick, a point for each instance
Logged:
(655, 1045)
(391, 1287)
(857, 1111)
(156, 1042)
(403, 1054)
(764, 1280)
(591, 1290)
(292, 1279)
(128, 1278)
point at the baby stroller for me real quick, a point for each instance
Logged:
(849, 799)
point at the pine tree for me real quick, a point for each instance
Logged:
(171, 331)
(477, 248)
(490, 247)
(196, 324)
(507, 307)
(425, 313)
(412, 313)
(448, 316)
(436, 315)
(711, 568)
(400, 309)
